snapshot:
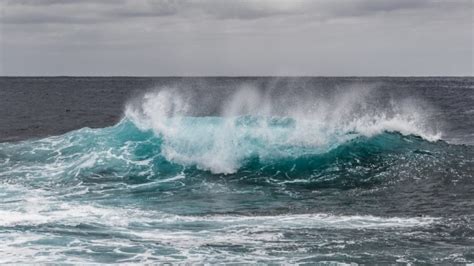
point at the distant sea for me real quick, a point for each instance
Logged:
(237, 170)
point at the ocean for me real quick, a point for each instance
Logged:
(237, 170)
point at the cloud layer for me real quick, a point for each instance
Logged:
(239, 37)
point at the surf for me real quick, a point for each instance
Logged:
(338, 141)
(256, 124)
(247, 168)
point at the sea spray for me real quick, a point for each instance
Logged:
(247, 170)
(256, 124)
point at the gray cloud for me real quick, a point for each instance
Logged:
(35, 18)
(53, 12)
(369, 7)
(69, 11)
(236, 37)
(59, 2)
(147, 9)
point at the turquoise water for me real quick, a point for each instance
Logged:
(120, 194)
(319, 181)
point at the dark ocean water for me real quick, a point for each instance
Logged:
(229, 170)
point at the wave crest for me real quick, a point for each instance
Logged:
(254, 124)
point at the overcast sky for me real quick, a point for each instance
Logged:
(236, 37)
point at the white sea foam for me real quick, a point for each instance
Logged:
(37, 211)
(35, 207)
(189, 236)
(279, 127)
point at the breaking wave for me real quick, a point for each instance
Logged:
(255, 126)
(162, 136)
(185, 175)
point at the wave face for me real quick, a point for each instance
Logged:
(278, 176)
(263, 146)
(256, 126)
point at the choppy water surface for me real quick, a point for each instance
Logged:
(248, 170)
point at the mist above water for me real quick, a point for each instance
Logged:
(271, 123)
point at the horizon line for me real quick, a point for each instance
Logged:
(236, 76)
